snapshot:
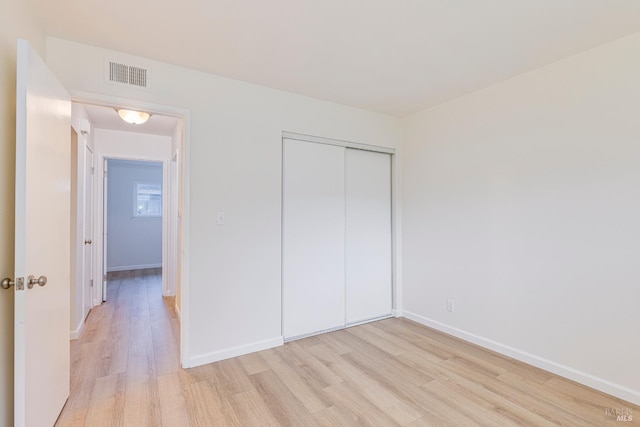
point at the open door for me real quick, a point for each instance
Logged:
(87, 258)
(42, 251)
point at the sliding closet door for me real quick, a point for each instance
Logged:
(368, 235)
(313, 238)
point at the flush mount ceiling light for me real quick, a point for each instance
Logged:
(133, 117)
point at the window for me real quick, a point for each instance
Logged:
(147, 199)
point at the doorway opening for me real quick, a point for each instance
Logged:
(133, 220)
(130, 201)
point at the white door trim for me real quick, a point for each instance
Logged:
(100, 222)
(337, 142)
(184, 183)
(102, 219)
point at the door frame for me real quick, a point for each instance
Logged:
(168, 289)
(396, 282)
(183, 200)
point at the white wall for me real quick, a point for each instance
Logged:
(234, 166)
(134, 242)
(521, 203)
(131, 145)
(15, 22)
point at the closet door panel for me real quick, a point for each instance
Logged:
(313, 238)
(368, 235)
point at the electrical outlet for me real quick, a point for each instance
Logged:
(451, 305)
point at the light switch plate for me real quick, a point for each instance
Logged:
(451, 305)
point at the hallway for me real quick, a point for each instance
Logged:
(127, 357)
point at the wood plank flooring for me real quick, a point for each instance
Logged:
(126, 372)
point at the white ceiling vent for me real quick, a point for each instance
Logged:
(126, 75)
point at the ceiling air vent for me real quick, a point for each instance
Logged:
(130, 75)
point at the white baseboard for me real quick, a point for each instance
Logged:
(133, 267)
(216, 356)
(75, 334)
(589, 380)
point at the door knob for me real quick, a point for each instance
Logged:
(18, 283)
(41, 281)
(87, 242)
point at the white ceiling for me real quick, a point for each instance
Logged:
(107, 118)
(392, 56)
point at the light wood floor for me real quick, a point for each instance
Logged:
(125, 371)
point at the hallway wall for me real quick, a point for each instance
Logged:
(134, 242)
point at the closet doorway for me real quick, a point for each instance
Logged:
(337, 235)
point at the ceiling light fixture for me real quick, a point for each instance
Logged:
(133, 117)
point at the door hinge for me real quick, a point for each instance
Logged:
(91, 281)
(104, 278)
(93, 170)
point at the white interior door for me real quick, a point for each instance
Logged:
(368, 235)
(88, 231)
(42, 230)
(173, 226)
(313, 238)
